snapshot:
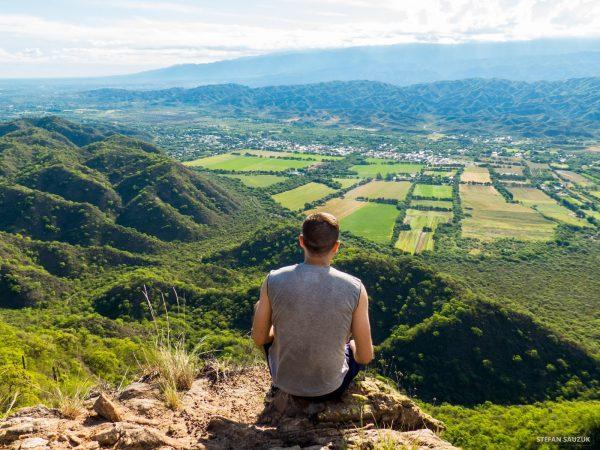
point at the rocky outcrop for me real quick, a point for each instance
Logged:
(237, 411)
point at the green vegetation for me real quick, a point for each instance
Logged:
(498, 312)
(519, 426)
(258, 181)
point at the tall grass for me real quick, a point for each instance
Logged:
(69, 396)
(7, 404)
(168, 357)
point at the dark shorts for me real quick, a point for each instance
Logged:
(353, 369)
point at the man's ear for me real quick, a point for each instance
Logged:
(301, 242)
(336, 247)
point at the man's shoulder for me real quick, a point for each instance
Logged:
(346, 276)
(283, 270)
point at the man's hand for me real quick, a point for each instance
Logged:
(262, 329)
(362, 345)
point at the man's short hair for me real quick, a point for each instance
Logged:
(320, 232)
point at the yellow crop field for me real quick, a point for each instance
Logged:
(394, 190)
(476, 174)
(488, 216)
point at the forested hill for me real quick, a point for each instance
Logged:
(557, 108)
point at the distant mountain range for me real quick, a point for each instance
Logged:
(402, 64)
(544, 108)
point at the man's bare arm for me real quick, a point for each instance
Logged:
(362, 345)
(262, 330)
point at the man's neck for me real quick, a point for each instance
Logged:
(317, 260)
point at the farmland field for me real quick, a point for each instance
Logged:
(574, 177)
(432, 203)
(395, 190)
(416, 240)
(339, 207)
(346, 182)
(488, 216)
(275, 154)
(440, 173)
(374, 221)
(295, 199)
(476, 174)
(546, 205)
(383, 168)
(227, 161)
(509, 170)
(538, 169)
(258, 181)
(441, 191)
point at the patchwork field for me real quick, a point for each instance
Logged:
(432, 203)
(227, 161)
(258, 181)
(374, 221)
(574, 177)
(488, 216)
(545, 204)
(441, 191)
(475, 174)
(378, 166)
(295, 199)
(394, 190)
(416, 240)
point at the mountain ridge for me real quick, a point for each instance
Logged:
(544, 108)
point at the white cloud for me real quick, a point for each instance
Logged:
(137, 34)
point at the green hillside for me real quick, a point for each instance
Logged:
(92, 221)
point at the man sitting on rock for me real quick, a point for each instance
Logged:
(306, 315)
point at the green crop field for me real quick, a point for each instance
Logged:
(295, 199)
(227, 161)
(383, 168)
(488, 216)
(374, 221)
(258, 181)
(416, 240)
(394, 190)
(432, 203)
(442, 191)
(476, 174)
(275, 154)
(546, 205)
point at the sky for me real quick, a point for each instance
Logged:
(64, 38)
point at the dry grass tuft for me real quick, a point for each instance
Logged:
(69, 399)
(169, 358)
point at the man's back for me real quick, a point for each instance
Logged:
(312, 308)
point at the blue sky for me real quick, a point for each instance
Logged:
(101, 37)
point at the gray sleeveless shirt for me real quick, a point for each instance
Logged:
(312, 316)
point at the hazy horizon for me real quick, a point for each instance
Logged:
(100, 38)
